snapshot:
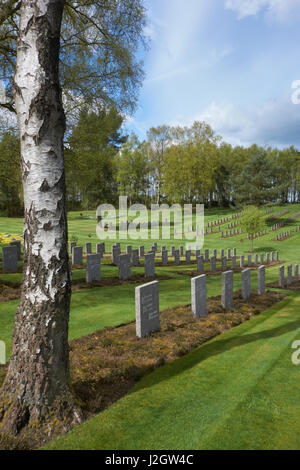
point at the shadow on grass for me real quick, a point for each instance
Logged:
(213, 348)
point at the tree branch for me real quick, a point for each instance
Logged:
(9, 9)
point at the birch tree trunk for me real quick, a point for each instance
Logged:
(37, 382)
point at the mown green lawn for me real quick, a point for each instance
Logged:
(101, 307)
(93, 309)
(84, 229)
(238, 391)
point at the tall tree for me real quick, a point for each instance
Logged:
(133, 170)
(37, 381)
(159, 138)
(256, 182)
(253, 222)
(90, 158)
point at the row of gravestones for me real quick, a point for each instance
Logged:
(257, 235)
(93, 267)
(269, 211)
(284, 235)
(231, 233)
(277, 226)
(290, 277)
(93, 264)
(279, 214)
(250, 262)
(215, 223)
(147, 298)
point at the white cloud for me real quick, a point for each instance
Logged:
(275, 122)
(279, 10)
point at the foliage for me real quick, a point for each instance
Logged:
(133, 170)
(253, 221)
(11, 195)
(90, 158)
(99, 44)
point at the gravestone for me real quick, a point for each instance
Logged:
(149, 265)
(213, 264)
(222, 252)
(242, 261)
(93, 268)
(181, 249)
(262, 259)
(164, 257)
(256, 259)
(289, 274)
(77, 256)
(224, 263)
(177, 257)
(124, 267)
(100, 249)
(227, 289)
(198, 291)
(10, 258)
(281, 276)
(277, 256)
(197, 253)
(273, 256)
(229, 253)
(172, 250)
(200, 264)
(261, 280)
(246, 283)
(267, 258)
(147, 309)
(206, 255)
(17, 243)
(296, 273)
(72, 244)
(215, 253)
(88, 248)
(129, 250)
(142, 251)
(116, 252)
(233, 262)
(135, 257)
(249, 260)
(188, 256)
(234, 251)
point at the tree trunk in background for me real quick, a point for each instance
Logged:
(37, 382)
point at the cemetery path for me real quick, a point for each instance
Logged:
(238, 391)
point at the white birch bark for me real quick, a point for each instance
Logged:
(38, 374)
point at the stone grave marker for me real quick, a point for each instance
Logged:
(227, 289)
(124, 267)
(149, 265)
(261, 280)
(147, 309)
(77, 256)
(93, 268)
(10, 258)
(198, 291)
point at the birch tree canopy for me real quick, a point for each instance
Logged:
(100, 41)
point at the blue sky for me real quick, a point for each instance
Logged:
(228, 62)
